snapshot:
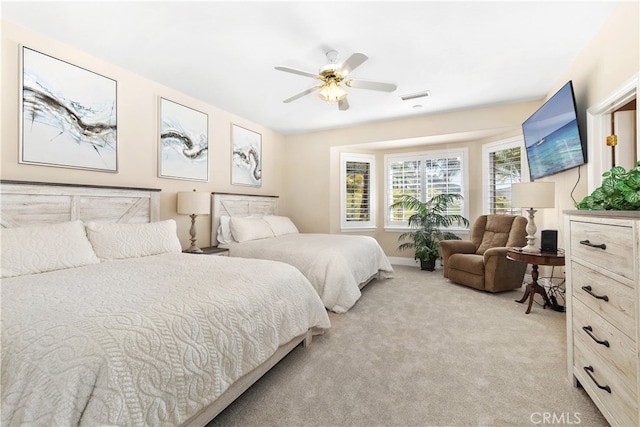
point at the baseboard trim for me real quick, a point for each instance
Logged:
(410, 262)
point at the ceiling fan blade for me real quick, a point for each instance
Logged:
(366, 84)
(351, 63)
(343, 104)
(299, 72)
(301, 94)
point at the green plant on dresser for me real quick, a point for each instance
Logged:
(620, 191)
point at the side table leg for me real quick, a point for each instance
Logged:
(533, 288)
(527, 291)
(541, 291)
(532, 294)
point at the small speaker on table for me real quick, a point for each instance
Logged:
(549, 241)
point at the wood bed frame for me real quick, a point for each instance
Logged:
(26, 203)
(242, 205)
(31, 203)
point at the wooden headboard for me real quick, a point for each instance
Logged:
(239, 205)
(32, 203)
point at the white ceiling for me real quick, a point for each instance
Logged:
(467, 54)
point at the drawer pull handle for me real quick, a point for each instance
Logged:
(588, 290)
(589, 331)
(593, 245)
(589, 370)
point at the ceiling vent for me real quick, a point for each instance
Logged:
(422, 94)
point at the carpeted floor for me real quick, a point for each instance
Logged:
(417, 350)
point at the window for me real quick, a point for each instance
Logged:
(424, 175)
(503, 164)
(357, 190)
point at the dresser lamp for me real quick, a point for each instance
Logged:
(532, 195)
(193, 203)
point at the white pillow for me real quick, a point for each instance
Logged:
(244, 229)
(37, 249)
(117, 241)
(281, 225)
(224, 232)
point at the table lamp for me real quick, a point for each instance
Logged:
(532, 195)
(193, 203)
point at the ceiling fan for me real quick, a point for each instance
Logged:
(332, 74)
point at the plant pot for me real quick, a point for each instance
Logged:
(428, 264)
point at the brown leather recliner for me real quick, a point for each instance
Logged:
(482, 262)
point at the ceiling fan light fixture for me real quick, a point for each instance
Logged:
(332, 75)
(332, 92)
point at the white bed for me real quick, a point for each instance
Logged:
(135, 332)
(337, 265)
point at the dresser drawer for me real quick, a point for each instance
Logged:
(620, 402)
(603, 256)
(596, 335)
(609, 298)
(617, 256)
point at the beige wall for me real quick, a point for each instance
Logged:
(609, 60)
(137, 134)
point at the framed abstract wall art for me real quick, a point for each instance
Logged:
(68, 115)
(184, 142)
(246, 164)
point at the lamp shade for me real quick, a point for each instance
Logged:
(533, 195)
(193, 202)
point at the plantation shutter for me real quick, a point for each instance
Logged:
(504, 170)
(358, 194)
(424, 175)
(404, 178)
(443, 175)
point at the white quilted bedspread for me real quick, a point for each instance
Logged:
(146, 341)
(335, 264)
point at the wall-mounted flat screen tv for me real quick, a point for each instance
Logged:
(552, 137)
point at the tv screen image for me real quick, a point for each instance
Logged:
(552, 137)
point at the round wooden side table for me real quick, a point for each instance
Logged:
(535, 259)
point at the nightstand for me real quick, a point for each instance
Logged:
(212, 250)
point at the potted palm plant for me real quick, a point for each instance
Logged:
(428, 226)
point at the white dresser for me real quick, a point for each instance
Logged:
(603, 303)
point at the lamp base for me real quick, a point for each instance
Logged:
(531, 233)
(530, 249)
(193, 249)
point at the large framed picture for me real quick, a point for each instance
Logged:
(184, 142)
(246, 164)
(68, 115)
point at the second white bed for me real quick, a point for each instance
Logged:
(336, 265)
